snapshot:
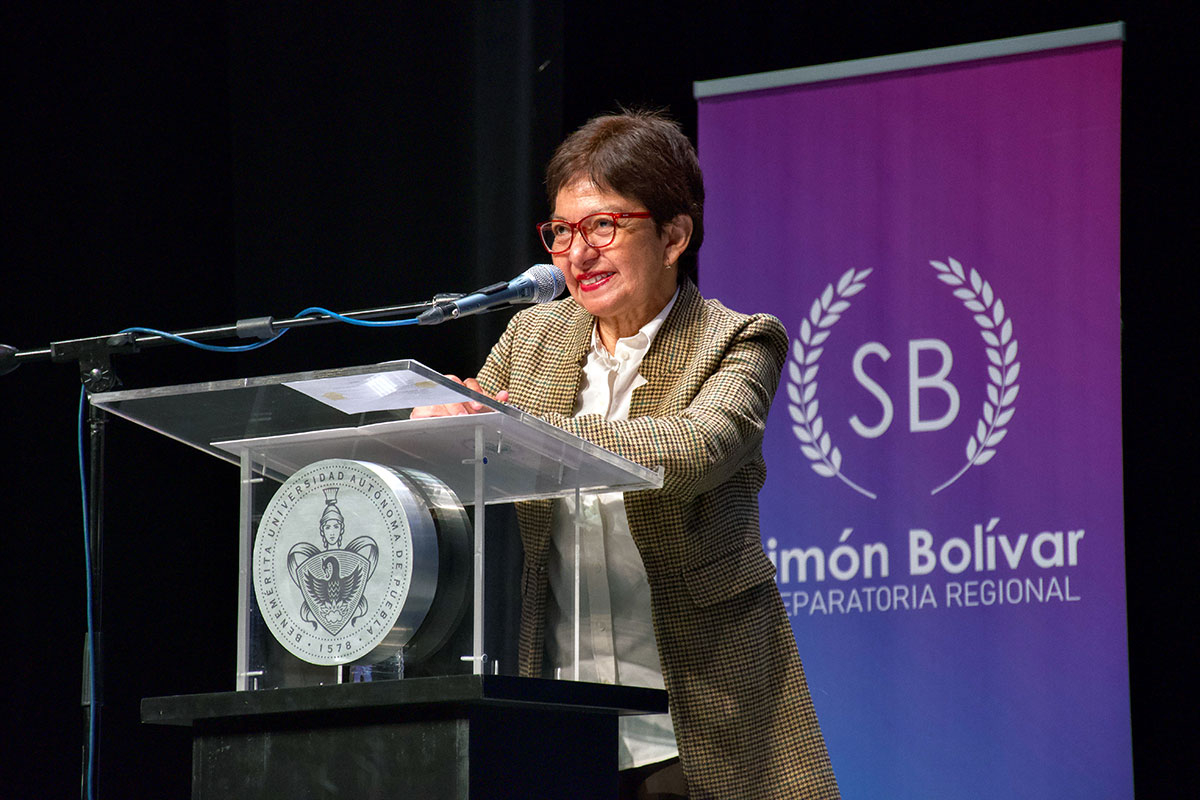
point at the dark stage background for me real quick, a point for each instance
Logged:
(180, 164)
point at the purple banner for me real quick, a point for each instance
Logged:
(943, 501)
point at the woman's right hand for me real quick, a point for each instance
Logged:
(456, 409)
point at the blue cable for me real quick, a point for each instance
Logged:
(366, 323)
(214, 348)
(87, 562)
(241, 348)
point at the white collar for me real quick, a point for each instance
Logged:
(635, 346)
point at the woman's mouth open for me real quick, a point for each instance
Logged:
(591, 282)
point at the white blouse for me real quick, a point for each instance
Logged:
(616, 637)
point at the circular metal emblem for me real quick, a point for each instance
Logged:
(346, 557)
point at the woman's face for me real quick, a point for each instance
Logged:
(625, 284)
(331, 530)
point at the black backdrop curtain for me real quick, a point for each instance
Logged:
(179, 164)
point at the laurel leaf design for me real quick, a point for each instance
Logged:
(798, 417)
(809, 429)
(996, 328)
(844, 282)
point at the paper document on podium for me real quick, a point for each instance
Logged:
(381, 391)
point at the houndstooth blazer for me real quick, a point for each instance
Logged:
(743, 716)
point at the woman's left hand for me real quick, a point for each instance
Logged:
(457, 409)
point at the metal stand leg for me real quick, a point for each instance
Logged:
(93, 674)
(480, 461)
(576, 590)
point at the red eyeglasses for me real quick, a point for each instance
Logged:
(598, 230)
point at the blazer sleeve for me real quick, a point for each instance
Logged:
(494, 374)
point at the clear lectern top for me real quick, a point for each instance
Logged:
(274, 427)
(362, 412)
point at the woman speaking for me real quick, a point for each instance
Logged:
(676, 589)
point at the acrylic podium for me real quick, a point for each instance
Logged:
(362, 666)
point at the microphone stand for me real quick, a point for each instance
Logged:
(94, 356)
(94, 352)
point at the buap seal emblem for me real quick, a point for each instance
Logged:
(346, 556)
(333, 580)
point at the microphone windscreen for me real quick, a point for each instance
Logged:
(549, 282)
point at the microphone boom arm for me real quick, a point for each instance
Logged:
(94, 352)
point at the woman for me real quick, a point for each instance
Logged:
(676, 584)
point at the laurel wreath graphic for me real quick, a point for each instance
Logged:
(809, 428)
(997, 332)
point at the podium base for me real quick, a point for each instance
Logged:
(461, 736)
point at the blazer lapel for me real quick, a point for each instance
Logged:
(564, 373)
(670, 353)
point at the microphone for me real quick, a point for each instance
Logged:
(540, 283)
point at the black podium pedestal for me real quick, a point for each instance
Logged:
(461, 736)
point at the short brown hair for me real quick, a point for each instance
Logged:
(643, 155)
